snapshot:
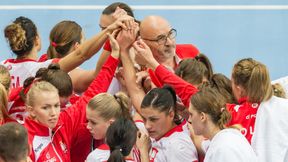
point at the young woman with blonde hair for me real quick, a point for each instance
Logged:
(52, 134)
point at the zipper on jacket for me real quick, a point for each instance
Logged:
(53, 143)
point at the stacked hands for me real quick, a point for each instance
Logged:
(124, 40)
(124, 36)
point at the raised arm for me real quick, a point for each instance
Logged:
(91, 46)
(183, 89)
(136, 93)
(119, 12)
(76, 114)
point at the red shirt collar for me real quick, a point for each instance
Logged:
(178, 128)
(19, 60)
(104, 147)
(242, 100)
(36, 128)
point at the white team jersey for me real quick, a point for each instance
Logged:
(205, 145)
(175, 146)
(270, 139)
(284, 83)
(101, 154)
(22, 69)
(230, 145)
(141, 127)
(115, 86)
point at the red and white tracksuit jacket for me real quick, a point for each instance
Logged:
(55, 144)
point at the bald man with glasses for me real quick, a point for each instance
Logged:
(158, 34)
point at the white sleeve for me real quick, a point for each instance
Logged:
(182, 151)
(92, 157)
(205, 145)
(141, 127)
(228, 154)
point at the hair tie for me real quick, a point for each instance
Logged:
(29, 87)
(118, 148)
(54, 44)
(222, 109)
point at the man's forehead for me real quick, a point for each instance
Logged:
(154, 32)
(154, 26)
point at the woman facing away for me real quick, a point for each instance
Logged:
(262, 115)
(121, 138)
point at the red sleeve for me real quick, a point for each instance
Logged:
(154, 78)
(55, 60)
(183, 89)
(14, 93)
(186, 51)
(76, 114)
(107, 46)
(233, 109)
(43, 58)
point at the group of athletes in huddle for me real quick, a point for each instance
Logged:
(148, 98)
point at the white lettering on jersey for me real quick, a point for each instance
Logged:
(236, 108)
(39, 144)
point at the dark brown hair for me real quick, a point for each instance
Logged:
(54, 75)
(21, 35)
(62, 37)
(223, 85)
(194, 70)
(121, 137)
(112, 7)
(162, 99)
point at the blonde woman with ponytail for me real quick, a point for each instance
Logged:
(208, 116)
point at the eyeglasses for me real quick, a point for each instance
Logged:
(162, 39)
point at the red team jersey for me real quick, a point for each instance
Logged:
(245, 115)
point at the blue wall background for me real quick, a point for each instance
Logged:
(224, 35)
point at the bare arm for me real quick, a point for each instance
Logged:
(81, 79)
(136, 92)
(90, 47)
(125, 39)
